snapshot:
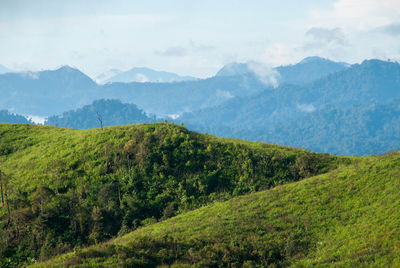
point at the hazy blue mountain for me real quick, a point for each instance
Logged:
(103, 77)
(142, 75)
(4, 69)
(47, 92)
(110, 112)
(53, 92)
(369, 82)
(7, 117)
(307, 70)
(234, 68)
(355, 129)
(283, 115)
(175, 98)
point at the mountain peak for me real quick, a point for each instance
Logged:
(233, 68)
(67, 68)
(312, 59)
(4, 69)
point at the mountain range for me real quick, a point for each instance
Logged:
(53, 92)
(47, 92)
(6, 116)
(333, 109)
(347, 104)
(307, 70)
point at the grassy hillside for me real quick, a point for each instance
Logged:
(63, 188)
(348, 217)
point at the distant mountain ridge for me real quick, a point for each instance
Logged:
(4, 69)
(234, 68)
(307, 70)
(53, 92)
(7, 117)
(287, 115)
(46, 92)
(142, 75)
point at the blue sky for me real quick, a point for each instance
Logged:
(193, 37)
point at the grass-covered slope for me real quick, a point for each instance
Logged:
(63, 188)
(348, 217)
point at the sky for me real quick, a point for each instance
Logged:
(193, 37)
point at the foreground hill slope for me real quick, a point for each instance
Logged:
(348, 218)
(63, 188)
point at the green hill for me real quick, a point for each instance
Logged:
(100, 112)
(345, 218)
(63, 189)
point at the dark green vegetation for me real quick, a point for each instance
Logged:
(348, 217)
(7, 117)
(64, 188)
(100, 113)
(334, 114)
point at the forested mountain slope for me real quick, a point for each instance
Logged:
(7, 117)
(100, 113)
(335, 114)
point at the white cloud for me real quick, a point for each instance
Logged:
(326, 35)
(357, 14)
(308, 108)
(141, 78)
(31, 75)
(176, 51)
(223, 94)
(36, 119)
(266, 74)
(278, 54)
(392, 29)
